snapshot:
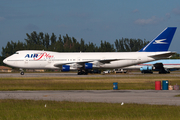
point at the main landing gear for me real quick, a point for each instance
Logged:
(82, 72)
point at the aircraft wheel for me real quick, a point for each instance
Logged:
(79, 72)
(22, 73)
(85, 73)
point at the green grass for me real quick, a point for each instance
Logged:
(177, 96)
(36, 110)
(142, 82)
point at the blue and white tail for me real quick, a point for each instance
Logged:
(161, 42)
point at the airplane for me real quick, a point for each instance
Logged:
(85, 61)
(163, 66)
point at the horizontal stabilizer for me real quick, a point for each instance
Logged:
(162, 55)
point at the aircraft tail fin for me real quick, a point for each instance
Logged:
(161, 42)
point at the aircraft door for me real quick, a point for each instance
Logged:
(26, 62)
(139, 59)
(49, 61)
(78, 59)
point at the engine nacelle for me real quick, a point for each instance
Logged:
(88, 65)
(65, 68)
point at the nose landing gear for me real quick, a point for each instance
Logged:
(21, 72)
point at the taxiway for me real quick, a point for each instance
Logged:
(68, 74)
(109, 96)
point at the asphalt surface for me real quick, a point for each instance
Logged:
(37, 74)
(68, 74)
(163, 97)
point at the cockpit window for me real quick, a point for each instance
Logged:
(17, 53)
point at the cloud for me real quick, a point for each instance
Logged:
(31, 27)
(176, 11)
(135, 11)
(168, 15)
(149, 21)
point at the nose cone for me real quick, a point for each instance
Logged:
(5, 61)
(10, 62)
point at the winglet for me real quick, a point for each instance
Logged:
(161, 42)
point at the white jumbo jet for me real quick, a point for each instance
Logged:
(85, 61)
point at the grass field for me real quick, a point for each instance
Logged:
(36, 110)
(139, 82)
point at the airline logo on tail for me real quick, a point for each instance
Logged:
(160, 41)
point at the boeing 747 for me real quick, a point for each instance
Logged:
(85, 61)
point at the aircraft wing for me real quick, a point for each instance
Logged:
(109, 60)
(61, 64)
(83, 62)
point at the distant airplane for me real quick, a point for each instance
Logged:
(85, 61)
(163, 66)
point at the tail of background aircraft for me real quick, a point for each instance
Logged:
(161, 42)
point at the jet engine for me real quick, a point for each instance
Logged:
(88, 65)
(65, 68)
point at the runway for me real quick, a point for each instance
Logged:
(2, 75)
(37, 74)
(110, 96)
(68, 74)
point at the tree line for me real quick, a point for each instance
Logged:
(41, 41)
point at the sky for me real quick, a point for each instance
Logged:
(91, 20)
